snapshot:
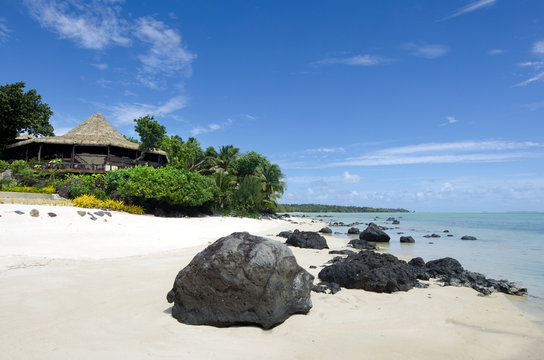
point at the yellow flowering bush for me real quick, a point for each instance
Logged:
(90, 201)
(28, 189)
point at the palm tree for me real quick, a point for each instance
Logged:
(225, 183)
(228, 154)
(271, 176)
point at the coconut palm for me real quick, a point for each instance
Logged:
(226, 158)
(272, 185)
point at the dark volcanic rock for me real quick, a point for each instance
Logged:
(342, 252)
(444, 266)
(371, 271)
(322, 287)
(362, 244)
(52, 214)
(354, 231)
(407, 239)
(467, 237)
(325, 230)
(307, 239)
(285, 234)
(241, 279)
(396, 222)
(374, 233)
(418, 265)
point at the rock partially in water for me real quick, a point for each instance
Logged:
(362, 244)
(468, 237)
(407, 239)
(374, 233)
(307, 239)
(325, 230)
(354, 231)
(241, 279)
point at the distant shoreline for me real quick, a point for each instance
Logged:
(318, 208)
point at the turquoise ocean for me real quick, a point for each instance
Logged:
(508, 246)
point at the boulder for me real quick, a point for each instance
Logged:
(390, 219)
(342, 252)
(362, 244)
(374, 233)
(418, 265)
(285, 234)
(468, 237)
(407, 239)
(444, 266)
(241, 279)
(307, 239)
(325, 230)
(354, 231)
(371, 271)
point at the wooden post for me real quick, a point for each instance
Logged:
(40, 153)
(72, 158)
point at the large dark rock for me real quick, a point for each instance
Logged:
(374, 233)
(418, 265)
(285, 234)
(354, 231)
(307, 239)
(444, 266)
(407, 239)
(468, 237)
(371, 271)
(362, 244)
(241, 279)
(325, 230)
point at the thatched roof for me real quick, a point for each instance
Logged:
(95, 131)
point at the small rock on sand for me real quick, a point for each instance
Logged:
(52, 214)
(81, 213)
(34, 213)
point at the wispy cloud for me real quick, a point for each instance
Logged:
(537, 50)
(450, 120)
(91, 25)
(125, 113)
(476, 5)
(100, 66)
(166, 53)
(350, 178)
(494, 52)
(359, 60)
(427, 51)
(453, 152)
(210, 127)
(4, 30)
(327, 150)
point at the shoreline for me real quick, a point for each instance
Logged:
(96, 289)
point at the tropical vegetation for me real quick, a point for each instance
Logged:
(332, 208)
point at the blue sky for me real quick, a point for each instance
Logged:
(428, 105)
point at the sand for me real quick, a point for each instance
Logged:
(73, 288)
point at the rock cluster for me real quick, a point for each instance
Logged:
(241, 279)
(374, 233)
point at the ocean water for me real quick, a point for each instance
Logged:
(508, 246)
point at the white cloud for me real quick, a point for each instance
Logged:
(495, 52)
(167, 53)
(91, 25)
(100, 66)
(538, 47)
(537, 77)
(210, 128)
(351, 179)
(327, 150)
(359, 60)
(443, 153)
(427, 51)
(476, 5)
(450, 120)
(4, 30)
(125, 113)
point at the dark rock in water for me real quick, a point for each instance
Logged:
(285, 234)
(407, 239)
(435, 235)
(396, 222)
(374, 233)
(52, 214)
(322, 287)
(241, 279)
(325, 230)
(34, 213)
(371, 271)
(307, 239)
(390, 219)
(444, 266)
(467, 237)
(450, 235)
(362, 244)
(342, 252)
(354, 231)
(446, 231)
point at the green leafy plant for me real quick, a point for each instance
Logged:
(4, 165)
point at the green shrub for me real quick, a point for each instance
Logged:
(165, 185)
(249, 197)
(115, 179)
(19, 165)
(4, 165)
(76, 190)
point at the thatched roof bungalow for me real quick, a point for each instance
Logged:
(92, 146)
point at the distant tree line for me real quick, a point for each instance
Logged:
(332, 208)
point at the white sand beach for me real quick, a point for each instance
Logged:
(74, 288)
